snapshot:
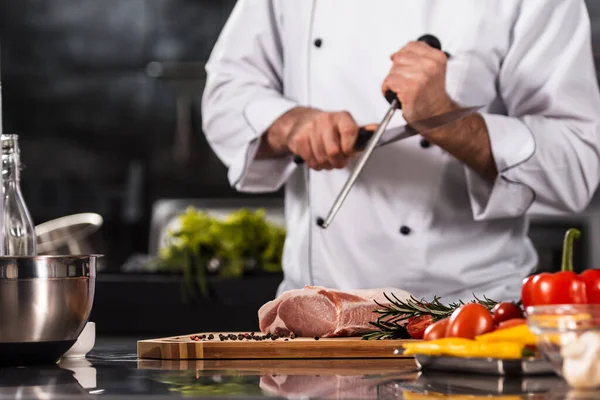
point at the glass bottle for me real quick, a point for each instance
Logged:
(19, 231)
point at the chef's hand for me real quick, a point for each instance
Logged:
(324, 140)
(418, 77)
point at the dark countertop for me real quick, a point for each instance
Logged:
(112, 370)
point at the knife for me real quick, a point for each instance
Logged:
(419, 127)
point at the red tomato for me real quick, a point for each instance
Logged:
(416, 326)
(504, 311)
(436, 330)
(591, 277)
(526, 292)
(469, 321)
(511, 323)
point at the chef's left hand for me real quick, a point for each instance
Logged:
(418, 77)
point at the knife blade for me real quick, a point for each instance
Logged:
(403, 132)
(426, 125)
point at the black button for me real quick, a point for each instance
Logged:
(320, 222)
(425, 144)
(405, 230)
(318, 42)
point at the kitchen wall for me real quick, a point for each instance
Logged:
(100, 131)
(98, 127)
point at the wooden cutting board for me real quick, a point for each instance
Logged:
(184, 348)
(326, 367)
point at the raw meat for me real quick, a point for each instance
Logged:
(318, 311)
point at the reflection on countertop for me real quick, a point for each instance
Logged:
(112, 370)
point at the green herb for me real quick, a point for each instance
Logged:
(242, 242)
(391, 323)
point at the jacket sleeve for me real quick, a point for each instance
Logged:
(243, 95)
(547, 147)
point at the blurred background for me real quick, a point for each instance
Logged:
(106, 98)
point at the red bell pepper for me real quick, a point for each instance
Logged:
(591, 278)
(564, 287)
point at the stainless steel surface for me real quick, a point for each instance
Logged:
(396, 134)
(71, 235)
(485, 366)
(481, 386)
(46, 298)
(360, 166)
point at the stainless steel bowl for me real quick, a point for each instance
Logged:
(45, 302)
(73, 234)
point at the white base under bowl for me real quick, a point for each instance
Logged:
(84, 344)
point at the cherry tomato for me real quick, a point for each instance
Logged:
(526, 291)
(437, 330)
(505, 311)
(511, 323)
(416, 326)
(469, 321)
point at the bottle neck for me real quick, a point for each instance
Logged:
(11, 168)
(11, 159)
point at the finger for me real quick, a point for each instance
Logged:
(299, 144)
(407, 77)
(422, 49)
(322, 125)
(404, 85)
(348, 131)
(331, 141)
(405, 57)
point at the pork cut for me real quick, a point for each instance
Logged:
(318, 311)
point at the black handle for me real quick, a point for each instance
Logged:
(364, 135)
(431, 41)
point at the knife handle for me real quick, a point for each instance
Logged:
(364, 135)
(431, 41)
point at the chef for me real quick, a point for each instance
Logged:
(443, 213)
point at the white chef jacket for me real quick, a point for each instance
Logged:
(529, 62)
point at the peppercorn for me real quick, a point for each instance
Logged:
(316, 338)
(234, 338)
(293, 335)
(196, 338)
(211, 336)
(192, 337)
(286, 340)
(240, 336)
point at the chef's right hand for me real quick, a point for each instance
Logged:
(324, 140)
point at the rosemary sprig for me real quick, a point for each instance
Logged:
(391, 323)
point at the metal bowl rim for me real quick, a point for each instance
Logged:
(54, 257)
(49, 267)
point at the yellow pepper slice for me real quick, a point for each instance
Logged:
(465, 348)
(418, 396)
(518, 334)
